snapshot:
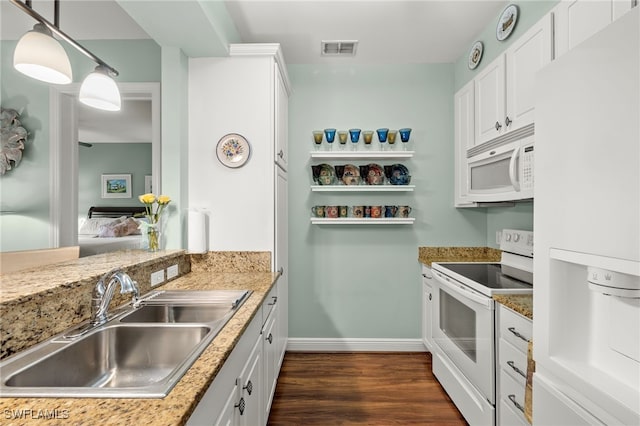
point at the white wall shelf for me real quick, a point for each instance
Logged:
(363, 221)
(362, 188)
(353, 155)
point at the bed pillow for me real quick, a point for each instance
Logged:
(92, 226)
(128, 226)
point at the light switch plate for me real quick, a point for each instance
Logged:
(172, 271)
(157, 277)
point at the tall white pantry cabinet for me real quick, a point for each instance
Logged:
(245, 93)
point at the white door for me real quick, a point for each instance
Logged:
(490, 101)
(532, 51)
(282, 261)
(281, 119)
(464, 139)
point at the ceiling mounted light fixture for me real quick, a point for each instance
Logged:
(40, 56)
(339, 47)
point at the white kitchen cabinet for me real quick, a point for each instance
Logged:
(281, 106)
(464, 139)
(251, 389)
(504, 94)
(282, 262)
(270, 336)
(577, 20)
(514, 334)
(427, 298)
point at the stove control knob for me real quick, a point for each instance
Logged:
(516, 237)
(507, 236)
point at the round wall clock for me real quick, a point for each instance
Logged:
(507, 22)
(475, 54)
(233, 150)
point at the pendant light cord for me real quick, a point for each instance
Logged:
(26, 8)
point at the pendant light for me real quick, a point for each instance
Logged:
(40, 56)
(98, 90)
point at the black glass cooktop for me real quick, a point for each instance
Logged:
(488, 274)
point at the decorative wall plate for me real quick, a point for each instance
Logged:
(233, 150)
(475, 54)
(507, 22)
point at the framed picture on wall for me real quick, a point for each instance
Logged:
(148, 185)
(116, 186)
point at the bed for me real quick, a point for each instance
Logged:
(107, 229)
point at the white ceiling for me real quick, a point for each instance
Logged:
(132, 124)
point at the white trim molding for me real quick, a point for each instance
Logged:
(354, 345)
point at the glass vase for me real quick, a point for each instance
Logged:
(153, 238)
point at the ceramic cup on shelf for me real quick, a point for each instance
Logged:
(367, 211)
(317, 211)
(331, 211)
(376, 212)
(343, 211)
(357, 211)
(404, 211)
(390, 211)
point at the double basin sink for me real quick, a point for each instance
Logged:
(141, 352)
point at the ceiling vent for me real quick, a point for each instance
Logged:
(339, 47)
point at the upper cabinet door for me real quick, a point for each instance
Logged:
(532, 51)
(577, 20)
(490, 101)
(281, 119)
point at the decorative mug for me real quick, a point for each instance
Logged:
(357, 211)
(331, 212)
(403, 211)
(376, 211)
(343, 211)
(390, 211)
(367, 211)
(317, 211)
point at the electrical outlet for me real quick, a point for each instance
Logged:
(172, 271)
(498, 237)
(157, 277)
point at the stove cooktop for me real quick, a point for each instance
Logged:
(486, 278)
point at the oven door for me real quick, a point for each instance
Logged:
(463, 330)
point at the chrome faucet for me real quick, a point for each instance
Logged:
(103, 293)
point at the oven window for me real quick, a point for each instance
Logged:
(458, 322)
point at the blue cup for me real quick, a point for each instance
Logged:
(330, 135)
(355, 135)
(405, 134)
(390, 211)
(382, 135)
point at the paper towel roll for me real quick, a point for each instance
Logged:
(197, 234)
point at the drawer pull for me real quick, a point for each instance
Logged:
(516, 369)
(249, 387)
(512, 397)
(269, 338)
(240, 406)
(275, 299)
(427, 276)
(513, 330)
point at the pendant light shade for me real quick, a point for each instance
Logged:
(40, 56)
(98, 90)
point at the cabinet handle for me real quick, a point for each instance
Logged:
(281, 154)
(281, 270)
(275, 300)
(269, 338)
(516, 369)
(429, 296)
(427, 276)
(240, 406)
(513, 330)
(498, 125)
(512, 397)
(249, 387)
(508, 121)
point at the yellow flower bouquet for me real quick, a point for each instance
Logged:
(153, 217)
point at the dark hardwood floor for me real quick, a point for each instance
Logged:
(360, 389)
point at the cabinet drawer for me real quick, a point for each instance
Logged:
(512, 394)
(513, 362)
(509, 417)
(514, 328)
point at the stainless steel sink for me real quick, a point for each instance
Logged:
(141, 353)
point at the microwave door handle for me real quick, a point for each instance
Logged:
(512, 169)
(463, 292)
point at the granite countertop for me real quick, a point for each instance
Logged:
(426, 255)
(178, 405)
(521, 303)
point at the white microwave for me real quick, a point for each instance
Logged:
(503, 173)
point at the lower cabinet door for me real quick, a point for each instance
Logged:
(252, 388)
(232, 405)
(270, 359)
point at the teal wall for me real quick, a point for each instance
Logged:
(25, 190)
(364, 280)
(111, 158)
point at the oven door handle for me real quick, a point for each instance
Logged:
(462, 291)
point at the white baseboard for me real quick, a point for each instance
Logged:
(354, 345)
